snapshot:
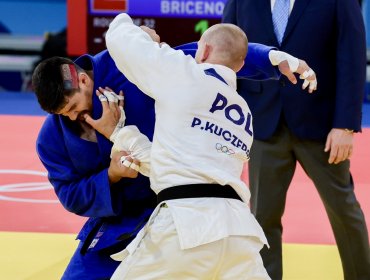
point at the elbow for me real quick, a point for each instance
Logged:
(74, 208)
(73, 204)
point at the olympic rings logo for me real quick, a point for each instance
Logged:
(224, 149)
(8, 190)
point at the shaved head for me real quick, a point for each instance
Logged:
(228, 45)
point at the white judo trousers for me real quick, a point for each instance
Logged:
(159, 256)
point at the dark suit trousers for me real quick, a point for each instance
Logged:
(271, 169)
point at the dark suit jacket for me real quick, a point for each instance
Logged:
(329, 35)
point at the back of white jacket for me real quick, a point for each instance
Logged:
(203, 130)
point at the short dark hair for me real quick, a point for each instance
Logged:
(48, 84)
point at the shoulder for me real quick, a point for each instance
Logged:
(51, 128)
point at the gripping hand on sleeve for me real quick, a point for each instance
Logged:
(130, 139)
(118, 169)
(288, 65)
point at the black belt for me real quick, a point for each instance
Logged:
(197, 190)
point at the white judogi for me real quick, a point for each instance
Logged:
(203, 134)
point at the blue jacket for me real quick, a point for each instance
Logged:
(329, 35)
(77, 169)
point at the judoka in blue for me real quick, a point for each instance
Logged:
(77, 168)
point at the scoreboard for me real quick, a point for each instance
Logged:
(176, 21)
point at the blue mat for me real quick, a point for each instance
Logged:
(15, 103)
(366, 115)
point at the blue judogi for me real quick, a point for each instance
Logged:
(77, 168)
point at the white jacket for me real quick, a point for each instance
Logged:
(203, 132)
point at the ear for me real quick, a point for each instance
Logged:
(83, 80)
(241, 66)
(206, 52)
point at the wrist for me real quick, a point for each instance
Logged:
(113, 178)
(276, 57)
(273, 57)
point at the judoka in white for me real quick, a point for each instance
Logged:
(203, 135)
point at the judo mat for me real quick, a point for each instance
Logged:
(37, 236)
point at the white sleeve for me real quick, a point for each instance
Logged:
(131, 140)
(145, 63)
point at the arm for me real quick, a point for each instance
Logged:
(130, 139)
(350, 65)
(144, 62)
(287, 64)
(82, 194)
(350, 80)
(261, 61)
(84, 189)
(125, 138)
(257, 64)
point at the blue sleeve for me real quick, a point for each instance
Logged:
(257, 64)
(85, 193)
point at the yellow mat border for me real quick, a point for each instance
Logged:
(43, 256)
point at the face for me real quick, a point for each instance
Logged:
(80, 103)
(77, 106)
